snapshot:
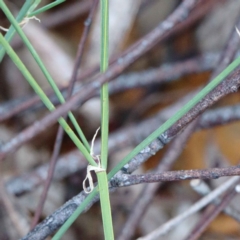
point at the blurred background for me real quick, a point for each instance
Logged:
(175, 67)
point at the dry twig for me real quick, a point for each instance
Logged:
(162, 230)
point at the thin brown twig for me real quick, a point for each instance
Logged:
(55, 220)
(165, 228)
(213, 118)
(146, 195)
(60, 132)
(202, 188)
(204, 174)
(210, 214)
(166, 73)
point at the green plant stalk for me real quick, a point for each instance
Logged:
(105, 205)
(104, 125)
(45, 8)
(102, 176)
(11, 31)
(104, 88)
(102, 181)
(154, 135)
(43, 69)
(44, 98)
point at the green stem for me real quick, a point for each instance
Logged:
(103, 190)
(104, 125)
(104, 88)
(105, 205)
(102, 176)
(43, 69)
(44, 98)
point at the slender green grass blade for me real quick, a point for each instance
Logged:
(104, 88)
(105, 205)
(102, 176)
